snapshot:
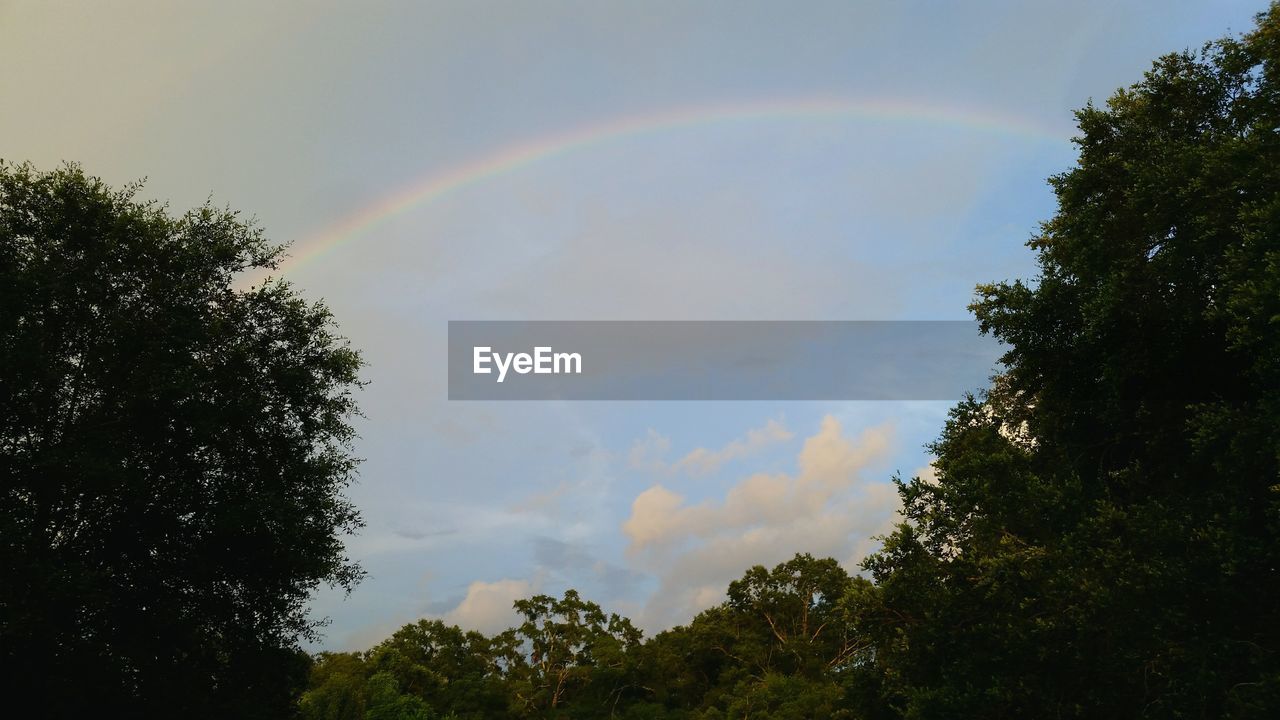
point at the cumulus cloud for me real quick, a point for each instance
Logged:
(487, 606)
(828, 507)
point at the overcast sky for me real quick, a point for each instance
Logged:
(596, 160)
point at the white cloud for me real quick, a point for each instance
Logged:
(488, 607)
(828, 507)
(829, 464)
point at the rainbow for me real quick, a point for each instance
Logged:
(514, 157)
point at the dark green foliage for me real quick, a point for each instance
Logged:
(1103, 539)
(782, 646)
(172, 453)
(459, 673)
(386, 702)
(337, 688)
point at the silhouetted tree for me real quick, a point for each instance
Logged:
(1103, 537)
(173, 449)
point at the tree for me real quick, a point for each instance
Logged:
(458, 673)
(336, 689)
(799, 602)
(173, 450)
(1103, 536)
(574, 650)
(783, 644)
(386, 702)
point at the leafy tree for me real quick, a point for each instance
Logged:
(782, 696)
(458, 673)
(173, 449)
(574, 651)
(336, 688)
(800, 603)
(386, 702)
(784, 644)
(1103, 538)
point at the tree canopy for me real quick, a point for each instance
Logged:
(783, 645)
(172, 454)
(1103, 536)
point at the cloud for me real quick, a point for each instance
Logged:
(827, 507)
(649, 453)
(413, 534)
(487, 606)
(412, 526)
(828, 464)
(681, 554)
(704, 462)
(655, 514)
(573, 561)
(546, 503)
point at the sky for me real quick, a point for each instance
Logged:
(437, 161)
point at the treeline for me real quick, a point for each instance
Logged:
(786, 644)
(1102, 537)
